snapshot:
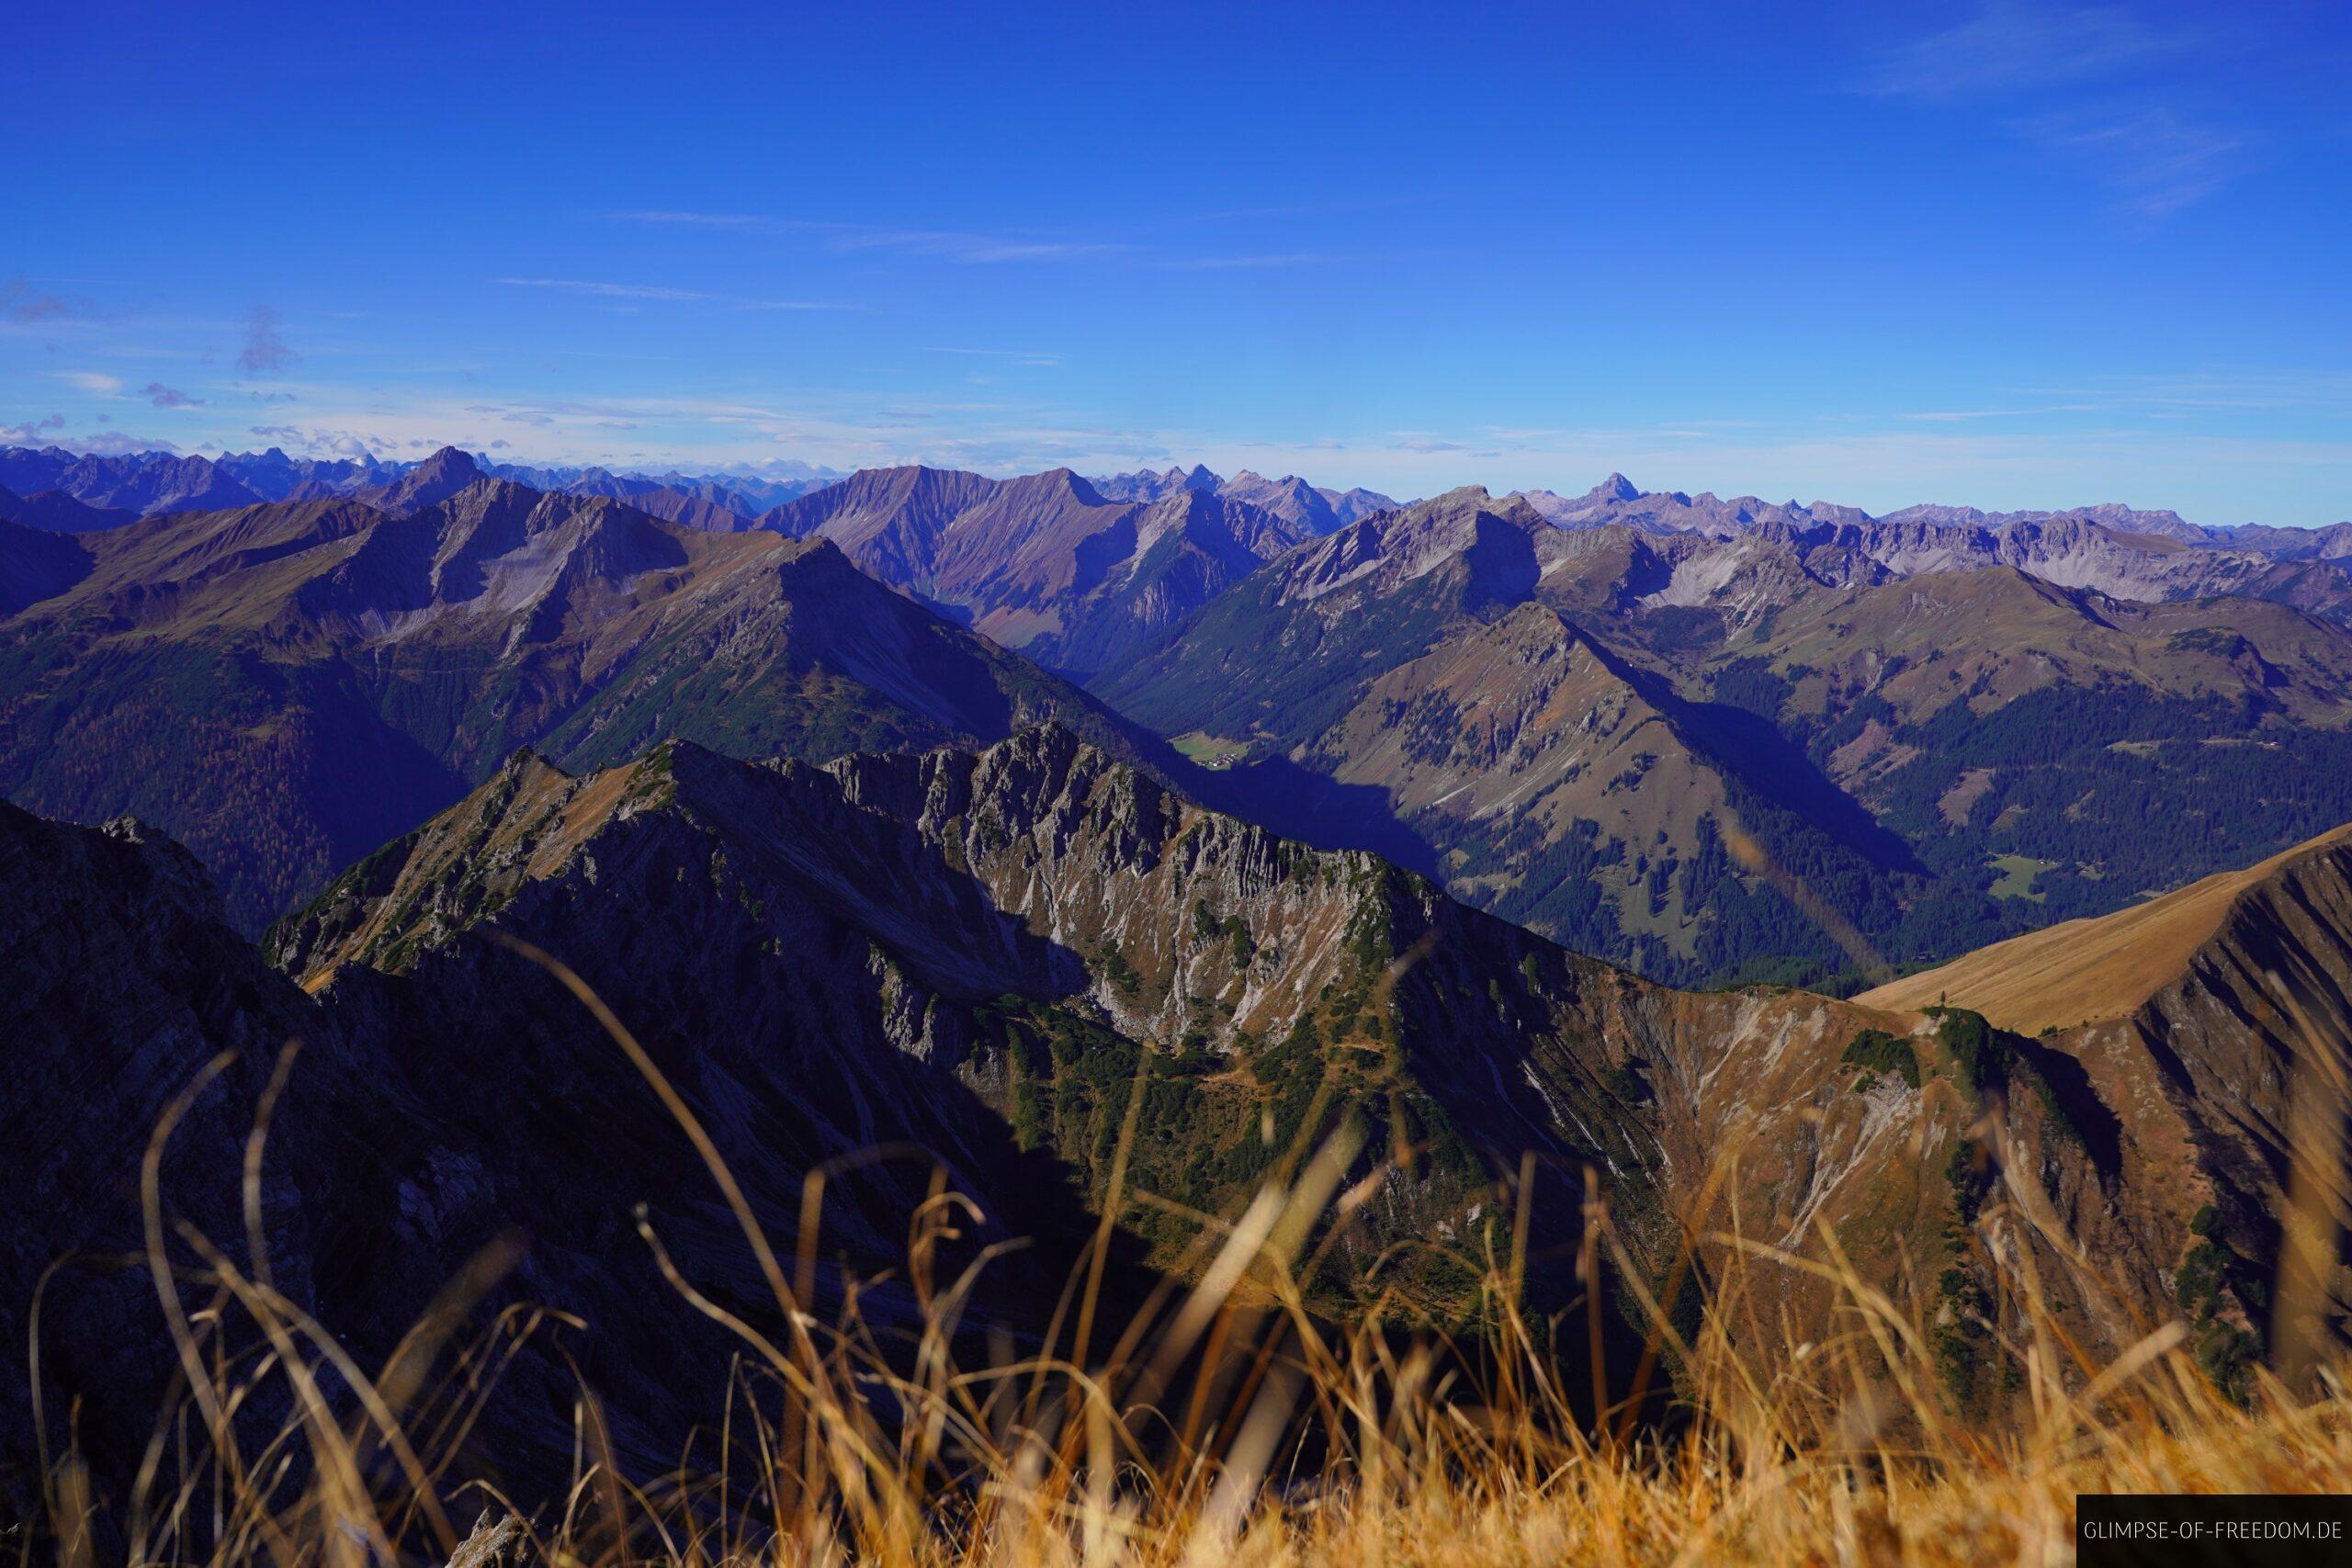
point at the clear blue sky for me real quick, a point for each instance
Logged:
(2010, 254)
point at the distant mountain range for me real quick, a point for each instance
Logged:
(143, 484)
(1302, 505)
(1617, 500)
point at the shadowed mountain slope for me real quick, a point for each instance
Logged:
(2216, 1021)
(58, 513)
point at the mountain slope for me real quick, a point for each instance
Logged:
(1449, 683)
(1042, 563)
(35, 564)
(2061, 751)
(436, 480)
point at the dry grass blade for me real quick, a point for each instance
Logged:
(1228, 1420)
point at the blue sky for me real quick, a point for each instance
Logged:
(2009, 253)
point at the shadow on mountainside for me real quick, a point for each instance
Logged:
(1750, 750)
(473, 1110)
(1297, 803)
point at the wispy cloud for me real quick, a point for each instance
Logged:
(97, 383)
(1009, 356)
(604, 290)
(264, 351)
(2080, 84)
(20, 301)
(975, 248)
(164, 397)
(2154, 161)
(105, 443)
(2210, 390)
(25, 434)
(1247, 263)
(657, 291)
(949, 244)
(2013, 46)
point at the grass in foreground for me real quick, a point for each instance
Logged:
(1223, 1423)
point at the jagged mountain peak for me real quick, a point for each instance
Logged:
(436, 480)
(449, 461)
(1052, 484)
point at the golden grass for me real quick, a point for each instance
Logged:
(1181, 1436)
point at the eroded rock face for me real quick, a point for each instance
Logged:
(2235, 1068)
(982, 955)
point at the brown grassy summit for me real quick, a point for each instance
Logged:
(2086, 971)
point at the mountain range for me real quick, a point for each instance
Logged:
(1046, 563)
(76, 493)
(1637, 722)
(1579, 727)
(975, 820)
